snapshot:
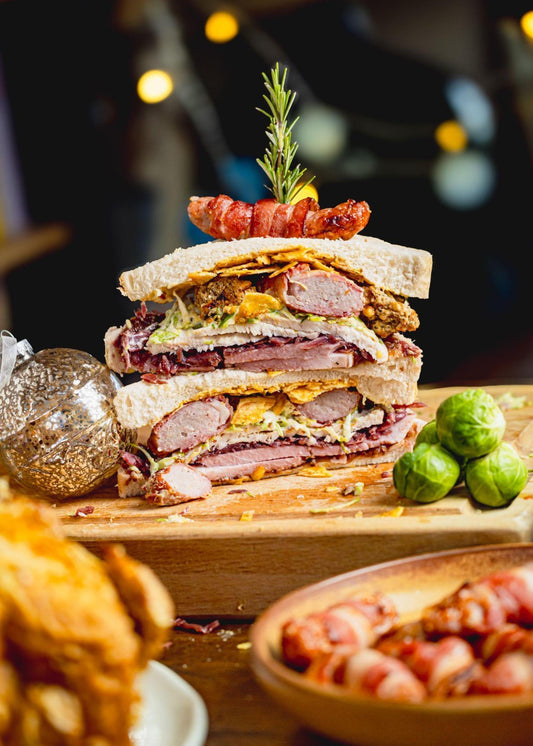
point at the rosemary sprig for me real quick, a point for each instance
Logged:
(280, 151)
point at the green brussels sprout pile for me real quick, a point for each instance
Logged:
(464, 441)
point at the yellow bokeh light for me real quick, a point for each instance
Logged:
(451, 136)
(221, 27)
(526, 24)
(154, 86)
(307, 191)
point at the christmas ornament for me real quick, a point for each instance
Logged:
(58, 432)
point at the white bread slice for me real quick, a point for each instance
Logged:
(143, 404)
(399, 269)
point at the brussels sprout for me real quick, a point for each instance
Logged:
(426, 474)
(428, 434)
(470, 424)
(497, 478)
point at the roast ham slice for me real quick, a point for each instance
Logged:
(239, 463)
(321, 353)
(236, 462)
(181, 482)
(235, 471)
(318, 345)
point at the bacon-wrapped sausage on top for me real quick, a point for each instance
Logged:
(223, 217)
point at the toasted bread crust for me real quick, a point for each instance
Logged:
(401, 270)
(143, 404)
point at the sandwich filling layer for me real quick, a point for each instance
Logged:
(226, 437)
(296, 318)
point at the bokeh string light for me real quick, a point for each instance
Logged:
(221, 27)
(451, 136)
(154, 86)
(526, 24)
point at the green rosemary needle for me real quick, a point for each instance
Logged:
(280, 151)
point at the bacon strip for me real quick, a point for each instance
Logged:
(201, 629)
(222, 217)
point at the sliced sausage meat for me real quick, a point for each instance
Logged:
(317, 291)
(330, 406)
(176, 484)
(192, 424)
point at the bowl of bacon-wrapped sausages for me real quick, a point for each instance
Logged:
(434, 649)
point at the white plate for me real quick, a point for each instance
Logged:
(172, 713)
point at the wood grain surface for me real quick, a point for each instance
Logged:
(216, 563)
(240, 712)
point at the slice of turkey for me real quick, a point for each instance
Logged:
(272, 325)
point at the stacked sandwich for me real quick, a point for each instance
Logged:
(269, 353)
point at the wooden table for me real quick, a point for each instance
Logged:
(217, 665)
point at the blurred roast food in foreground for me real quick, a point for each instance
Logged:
(76, 631)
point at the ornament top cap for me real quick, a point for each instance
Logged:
(11, 352)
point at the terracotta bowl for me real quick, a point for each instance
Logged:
(413, 583)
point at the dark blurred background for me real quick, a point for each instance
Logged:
(422, 108)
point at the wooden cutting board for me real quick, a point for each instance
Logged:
(300, 529)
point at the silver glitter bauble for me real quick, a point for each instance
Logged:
(58, 431)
